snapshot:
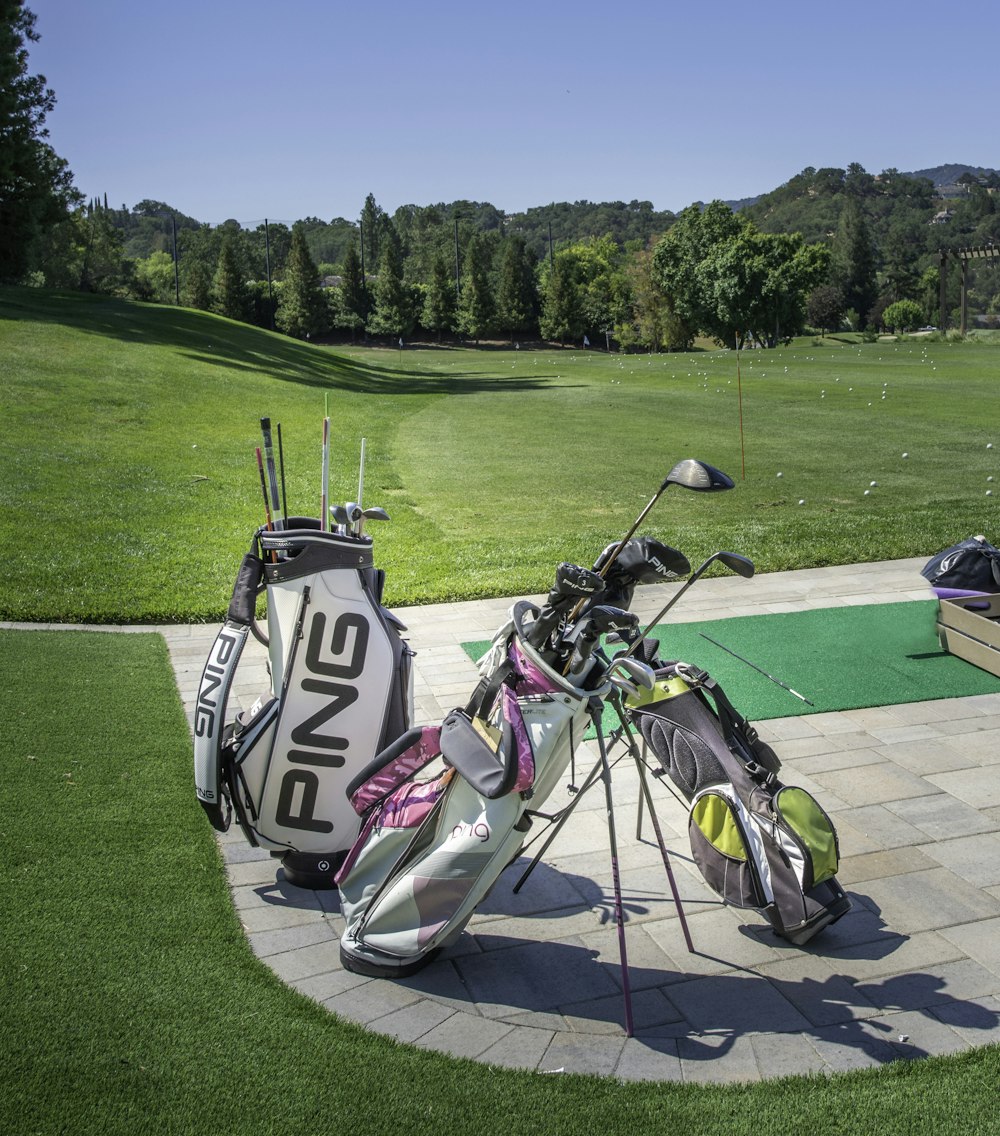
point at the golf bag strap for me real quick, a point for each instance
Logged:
(244, 599)
(487, 689)
(735, 728)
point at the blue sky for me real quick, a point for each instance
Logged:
(295, 108)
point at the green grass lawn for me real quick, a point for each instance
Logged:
(130, 488)
(132, 1002)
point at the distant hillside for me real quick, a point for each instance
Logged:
(949, 174)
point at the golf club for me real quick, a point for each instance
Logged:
(571, 582)
(690, 473)
(373, 513)
(741, 565)
(582, 638)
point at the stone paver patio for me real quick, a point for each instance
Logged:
(535, 982)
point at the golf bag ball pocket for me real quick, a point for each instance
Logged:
(806, 835)
(721, 847)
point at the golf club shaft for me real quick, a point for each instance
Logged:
(603, 570)
(272, 474)
(281, 468)
(324, 490)
(663, 610)
(759, 670)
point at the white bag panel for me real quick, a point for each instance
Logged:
(332, 713)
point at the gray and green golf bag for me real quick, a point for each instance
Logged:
(446, 808)
(757, 842)
(340, 692)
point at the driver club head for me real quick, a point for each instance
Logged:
(698, 475)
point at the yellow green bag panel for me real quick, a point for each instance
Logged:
(719, 848)
(714, 816)
(803, 815)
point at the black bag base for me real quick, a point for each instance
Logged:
(825, 904)
(310, 870)
(373, 965)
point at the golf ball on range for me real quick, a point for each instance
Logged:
(802, 500)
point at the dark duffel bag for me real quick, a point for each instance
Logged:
(973, 565)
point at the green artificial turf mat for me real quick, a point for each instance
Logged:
(840, 658)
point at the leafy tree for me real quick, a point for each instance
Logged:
(903, 315)
(651, 323)
(154, 278)
(229, 291)
(105, 267)
(517, 292)
(440, 311)
(302, 311)
(393, 314)
(727, 279)
(680, 254)
(36, 189)
(477, 307)
(825, 307)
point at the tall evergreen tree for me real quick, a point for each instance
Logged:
(562, 305)
(36, 186)
(477, 308)
(853, 264)
(354, 299)
(440, 309)
(229, 291)
(301, 309)
(517, 293)
(393, 315)
(373, 227)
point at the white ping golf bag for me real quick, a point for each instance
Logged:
(446, 808)
(340, 692)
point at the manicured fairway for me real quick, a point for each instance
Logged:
(130, 489)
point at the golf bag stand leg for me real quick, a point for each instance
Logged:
(645, 795)
(595, 712)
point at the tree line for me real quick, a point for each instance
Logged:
(829, 248)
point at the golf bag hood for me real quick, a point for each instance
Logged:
(339, 693)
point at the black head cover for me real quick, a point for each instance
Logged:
(643, 560)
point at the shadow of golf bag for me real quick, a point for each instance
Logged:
(340, 692)
(446, 808)
(758, 843)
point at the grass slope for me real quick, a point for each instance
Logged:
(131, 485)
(133, 1004)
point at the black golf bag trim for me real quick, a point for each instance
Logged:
(335, 653)
(758, 843)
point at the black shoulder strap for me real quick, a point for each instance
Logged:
(487, 689)
(747, 774)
